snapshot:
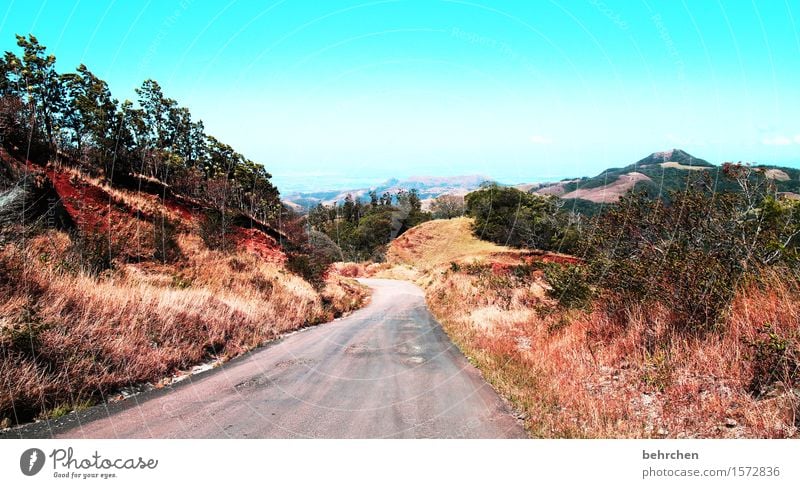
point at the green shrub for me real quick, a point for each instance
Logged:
(774, 358)
(691, 254)
(311, 258)
(657, 371)
(477, 268)
(524, 272)
(569, 284)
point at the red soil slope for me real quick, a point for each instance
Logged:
(93, 209)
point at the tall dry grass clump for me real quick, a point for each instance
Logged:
(68, 337)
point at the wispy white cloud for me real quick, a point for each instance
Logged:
(540, 139)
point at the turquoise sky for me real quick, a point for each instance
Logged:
(334, 92)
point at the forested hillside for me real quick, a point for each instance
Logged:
(74, 119)
(133, 245)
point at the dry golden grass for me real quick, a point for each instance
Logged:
(68, 337)
(610, 192)
(676, 165)
(137, 201)
(588, 373)
(777, 174)
(439, 242)
(389, 271)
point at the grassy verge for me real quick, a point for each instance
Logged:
(591, 374)
(68, 337)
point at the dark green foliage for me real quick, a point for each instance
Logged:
(582, 207)
(302, 264)
(644, 250)
(693, 253)
(324, 247)
(372, 234)
(774, 358)
(362, 231)
(524, 271)
(569, 284)
(511, 217)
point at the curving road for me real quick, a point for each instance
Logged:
(388, 370)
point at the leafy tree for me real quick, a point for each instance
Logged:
(90, 115)
(15, 114)
(9, 75)
(511, 217)
(373, 233)
(318, 216)
(42, 84)
(349, 209)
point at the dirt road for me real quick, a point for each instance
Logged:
(387, 370)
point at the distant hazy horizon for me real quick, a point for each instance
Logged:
(304, 182)
(298, 183)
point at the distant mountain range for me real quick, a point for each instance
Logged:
(428, 187)
(657, 174)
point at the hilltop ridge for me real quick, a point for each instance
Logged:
(657, 173)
